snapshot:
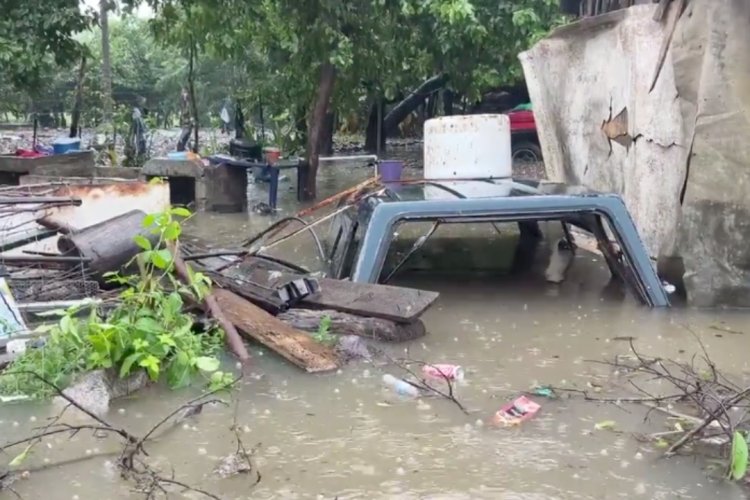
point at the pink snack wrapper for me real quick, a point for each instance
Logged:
(443, 371)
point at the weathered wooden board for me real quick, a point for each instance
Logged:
(394, 303)
(399, 304)
(349, 324)
(294, 345)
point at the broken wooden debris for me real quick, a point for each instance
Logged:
(261, 296)
(215, 310)
(46, 261)
(348, 324)
(292, 344)
(399, 304)
(40, 200)
(108, 245)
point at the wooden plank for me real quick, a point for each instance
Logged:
(400, 304)
(292, 344)
(349, 324)
(378, 301)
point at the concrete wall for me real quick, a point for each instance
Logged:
(679, 152)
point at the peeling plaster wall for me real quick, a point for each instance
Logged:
(599, 125)
(679, 154)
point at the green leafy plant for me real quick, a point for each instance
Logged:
(739, 459)
(147, 329)
(323, 335)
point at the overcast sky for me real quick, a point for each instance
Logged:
(142, 11)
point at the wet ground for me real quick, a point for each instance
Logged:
(341, 436)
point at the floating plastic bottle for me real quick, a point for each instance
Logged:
(400, 386)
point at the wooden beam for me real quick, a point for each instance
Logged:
(394, 303)
(292, 344)
(349, 324)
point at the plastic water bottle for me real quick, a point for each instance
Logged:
(400, 387)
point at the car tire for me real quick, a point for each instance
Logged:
(526, 152)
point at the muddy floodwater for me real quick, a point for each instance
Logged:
(342, 436)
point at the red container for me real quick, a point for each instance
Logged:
(272, 155)
(516, 412)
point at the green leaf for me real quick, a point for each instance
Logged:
(180, 212)
(605, 425)
(161, 259)
(738, 467)
(661, 443)
(142, 242)
(172, 231)
(178, 373)
(148, 324)
(207, 364)
(149, 220)
(128, 363)
(19, 459)
(167, 340)
(152, 365)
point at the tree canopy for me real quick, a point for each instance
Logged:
(302, 59)
(32, 30)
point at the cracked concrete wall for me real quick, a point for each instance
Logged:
(581, 79)
(678, 154)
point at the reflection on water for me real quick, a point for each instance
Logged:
(340, 436)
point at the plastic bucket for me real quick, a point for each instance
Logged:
(272, 154)
(390, 170)
(66, 144)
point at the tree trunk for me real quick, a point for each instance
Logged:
(350, 324)
(75, 116)
(371, 135)
(191, 89)
(326, 136)
(106, 66)
(411, 103)
(316, 125)
(448, 102)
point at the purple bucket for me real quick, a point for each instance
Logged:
(390, 170)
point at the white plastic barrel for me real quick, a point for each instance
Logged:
(467, 147)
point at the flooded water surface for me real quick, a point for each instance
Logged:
(341, 435)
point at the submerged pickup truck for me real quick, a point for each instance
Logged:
(362, 233)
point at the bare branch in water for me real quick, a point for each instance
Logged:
(423, 384)
(148, 480)
(707, 390)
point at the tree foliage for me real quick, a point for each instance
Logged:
(31, 30)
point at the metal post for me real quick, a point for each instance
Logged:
(380, 125)
(273, 188)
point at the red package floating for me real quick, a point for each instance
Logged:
(516, 412)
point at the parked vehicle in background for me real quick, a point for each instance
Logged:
(524, 140)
